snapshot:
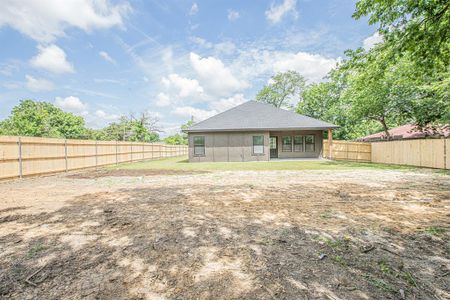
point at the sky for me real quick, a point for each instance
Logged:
(176, 59)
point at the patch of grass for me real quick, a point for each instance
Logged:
(181, 163)
(35, 249)
(327, 214)
(340, 260)
(435, 230)
(385, 268)
(409, 278)
(405, 275)
(382, 285)
(334, 244)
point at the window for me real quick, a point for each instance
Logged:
(258, 144)
(273, 143)
(309, 143)
(298, 143)
(199, 145)
(286, 144)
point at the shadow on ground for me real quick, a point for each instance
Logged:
(223, 242)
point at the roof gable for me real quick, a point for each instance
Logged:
(253, 115)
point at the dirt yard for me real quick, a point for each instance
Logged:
(323, 234)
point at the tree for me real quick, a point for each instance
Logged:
(180, 138)
(175, 139)
(283, 88)
(326, 101)
(417, 34)
(137, 129)
(43, 119)
(406, 78)
(417, 27)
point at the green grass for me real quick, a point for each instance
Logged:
(35, 249)
(181, 163)
(435, 230)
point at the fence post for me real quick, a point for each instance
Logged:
(96, 154)
(143, 151)
(330, 141)
(445, 153)
(346, 150)
(65, 152)
(151, 149)
(117, 161)
(131, 151)
(19, 143)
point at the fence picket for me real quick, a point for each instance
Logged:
(26, 156)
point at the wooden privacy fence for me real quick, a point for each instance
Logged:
(26, 156)
(431, 153)
(345, 150)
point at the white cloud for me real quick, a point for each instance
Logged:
(45, 20)
(53, 59)
(372, 40)
(72, 104)
(233, 15)
(276, 12)
(9, 68)
(226, 47)
(163, 100)
(194, 9)
(106, 57)
(38, 84)
(227, 103)
(216, 78)
(99, 118)
(94, 119)
(11, 85)
(105, 116)
(312, 66)
(201, 42)
(197, 113)
(185, 87)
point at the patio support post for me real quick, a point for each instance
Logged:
(330, 142)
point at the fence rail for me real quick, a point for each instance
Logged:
(27, 156)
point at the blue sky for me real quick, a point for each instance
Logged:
(102, 59)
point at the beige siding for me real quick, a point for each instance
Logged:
(220, 148)
(318, 144)
(235, 142)
(229, 146)
(238, 146)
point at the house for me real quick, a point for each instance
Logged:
(408, 131)
(255, 131)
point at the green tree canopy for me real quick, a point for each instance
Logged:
(43, 119)
(404, 79)
(130, 128)
(179, 138)
(420, 28)
(283, 88)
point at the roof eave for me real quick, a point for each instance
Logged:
(259, 129)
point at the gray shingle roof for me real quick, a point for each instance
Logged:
(253, 115)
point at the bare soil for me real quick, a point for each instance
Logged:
(96, 173)
(364, 234)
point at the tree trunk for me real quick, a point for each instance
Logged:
(385, 128)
